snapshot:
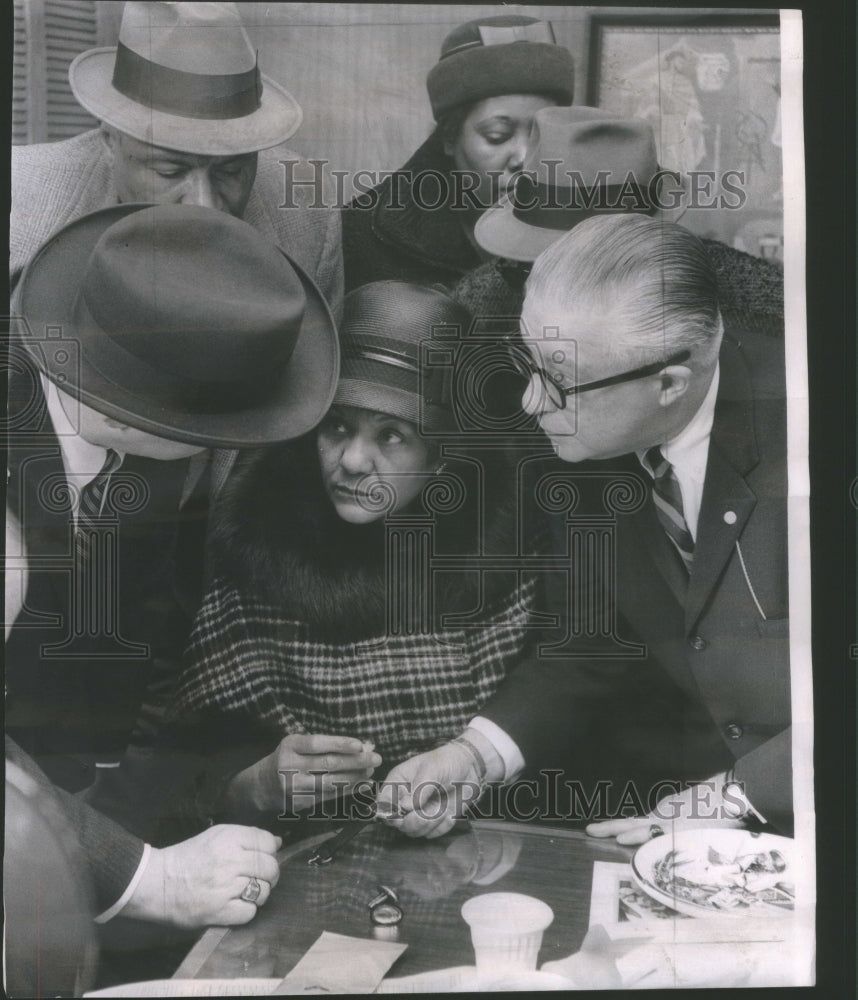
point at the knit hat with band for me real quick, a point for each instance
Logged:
(509, 54)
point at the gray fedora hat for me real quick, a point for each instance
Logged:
(181, 321)
(184, 76)
(585, 162)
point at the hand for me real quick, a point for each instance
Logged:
(343, 760)
(435, 788)
(200, 881)
(697, 806)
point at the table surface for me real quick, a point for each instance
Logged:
(432, 878)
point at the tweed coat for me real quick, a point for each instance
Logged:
(294, 634)
(721, 636)
(55, 183)
(113, 855)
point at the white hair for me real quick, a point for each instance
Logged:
(651, 281)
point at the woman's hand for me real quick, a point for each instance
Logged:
(303, 770)
(435, 788)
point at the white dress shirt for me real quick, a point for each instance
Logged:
(688, 454)
(82, 461)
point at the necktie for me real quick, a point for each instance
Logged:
(667, 497)
(89, 512)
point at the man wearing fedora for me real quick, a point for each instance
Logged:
(187, 118)
(588, 161)
(638, 380)
(150, 335)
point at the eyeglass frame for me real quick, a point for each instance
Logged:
(526, 368)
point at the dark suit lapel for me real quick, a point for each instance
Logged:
(727, 498)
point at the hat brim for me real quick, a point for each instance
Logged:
(45, 299)
(500, 232)
(278, 117)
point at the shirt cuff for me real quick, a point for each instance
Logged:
(112, 911)
(506, 747)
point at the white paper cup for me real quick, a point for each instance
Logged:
(506, 930)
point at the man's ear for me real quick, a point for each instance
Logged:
(675, 381)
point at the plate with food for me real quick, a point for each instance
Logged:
(706, 872)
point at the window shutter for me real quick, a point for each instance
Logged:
(19, 78)
(48, 35)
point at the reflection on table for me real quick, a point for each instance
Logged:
(432, 879)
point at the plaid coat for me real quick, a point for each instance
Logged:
(291, 636)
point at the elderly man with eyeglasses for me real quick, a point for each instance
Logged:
(631, 371)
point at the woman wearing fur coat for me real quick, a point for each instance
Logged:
(324, 644)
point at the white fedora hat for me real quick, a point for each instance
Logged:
(585, 161)
(184, 76)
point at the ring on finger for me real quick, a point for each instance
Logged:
(655, 831)
(252, 891)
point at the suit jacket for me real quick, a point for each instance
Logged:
(75, 692)
(55, 183)
(705, 637)
(112, 854)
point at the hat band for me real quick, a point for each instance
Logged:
(189, 95)
(550, 207)
(431, 382)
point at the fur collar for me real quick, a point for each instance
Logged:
(276, 535)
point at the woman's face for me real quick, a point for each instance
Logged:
(371, 463)
(495, 136)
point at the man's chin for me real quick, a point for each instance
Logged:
(570, 450)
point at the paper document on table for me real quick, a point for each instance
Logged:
(337, 963)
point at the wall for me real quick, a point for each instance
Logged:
(359, 72)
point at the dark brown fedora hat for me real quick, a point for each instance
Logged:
(181, 321)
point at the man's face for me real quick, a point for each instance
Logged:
(144, 173)
(99, 429)
(599, 423)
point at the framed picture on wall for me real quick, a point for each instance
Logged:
(710, 86)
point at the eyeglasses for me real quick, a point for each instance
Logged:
(557, 393)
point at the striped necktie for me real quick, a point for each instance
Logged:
(667, 497)
(89, 513)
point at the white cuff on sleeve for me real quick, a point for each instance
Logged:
(506, 747)
(112, 911)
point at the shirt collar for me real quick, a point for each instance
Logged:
(82, 460)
